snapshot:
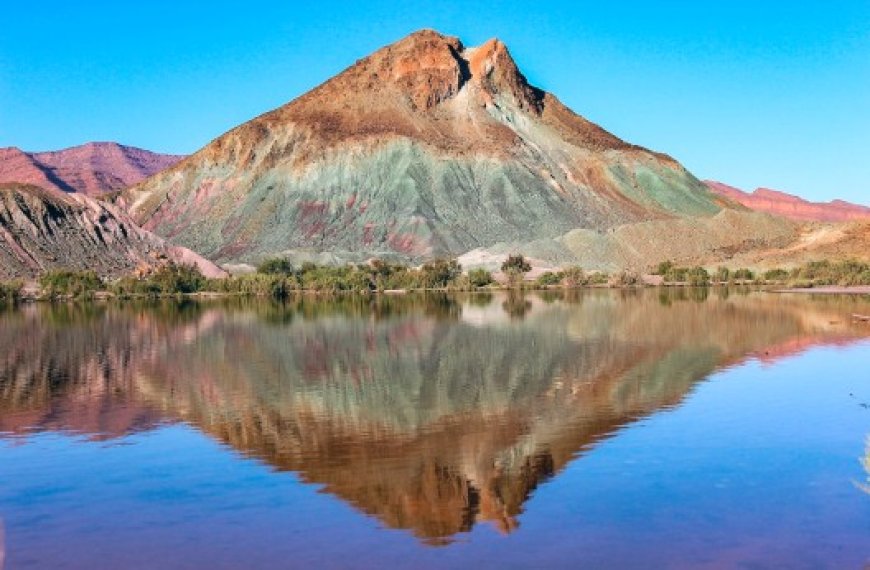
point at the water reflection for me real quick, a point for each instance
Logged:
(430, 413)
(865, 461)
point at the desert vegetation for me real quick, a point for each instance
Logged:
(813, 274)
(515, 268)
(278, 278)
(10, 292)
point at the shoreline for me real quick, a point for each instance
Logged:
(828, 290)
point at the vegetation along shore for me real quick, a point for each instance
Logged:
(278, 278)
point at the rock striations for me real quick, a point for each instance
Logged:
(44, 229)
(425, 148)
(92, 168)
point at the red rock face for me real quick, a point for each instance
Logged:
(790, 206)
(92, 169)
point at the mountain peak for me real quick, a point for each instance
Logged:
(493, 68)
(427, 69)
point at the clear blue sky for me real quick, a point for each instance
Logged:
(747, 92)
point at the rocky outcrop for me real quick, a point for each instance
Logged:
(792, 207)
(93, 168)
(425, 148)
(42, 229)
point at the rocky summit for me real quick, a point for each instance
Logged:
(425, 148)
(94, 168)
(45, 229)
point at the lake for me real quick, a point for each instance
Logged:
(677, 428)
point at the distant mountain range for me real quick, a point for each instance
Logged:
(790, 206)
(93, 168)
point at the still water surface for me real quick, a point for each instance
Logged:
(605, 429)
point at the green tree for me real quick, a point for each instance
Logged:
(697, 276)
(574, 277)
(479, 277)
(439, 273)
(175, 278)
(65, 283)
(744, 274)
(515, 268)
(777, 274)
(10, 291)
(549, 278)
(276, 266)
(516, 263)
(664, 268)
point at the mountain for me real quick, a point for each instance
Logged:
(93, 168)
(790, 206)
(43, 229)
(425, 148)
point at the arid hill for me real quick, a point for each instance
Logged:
(791, 206)
(93, 168)
(44, 229)
(425, 148)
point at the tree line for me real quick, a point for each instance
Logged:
(279, 278)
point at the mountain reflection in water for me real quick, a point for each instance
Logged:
(431, 413)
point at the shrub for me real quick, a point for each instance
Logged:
(598, 278)
(515, 267)
(549, 278)
(276, 266)
(663, 268)
(439, 273)
(256, 284)
(10, 291)
(574, 277)
(776, 275)
(175, 278)
(625, 279)
(479, 277)
(516, 263)
(75, 284)
(132, 286)
(743, 274)
(843, 273)
(697, 276)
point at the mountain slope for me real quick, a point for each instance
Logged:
(424, 148)
(92, 168)
(42, 229)
(790, 206)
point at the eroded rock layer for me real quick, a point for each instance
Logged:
(42, 230)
